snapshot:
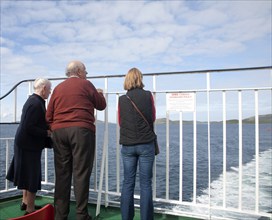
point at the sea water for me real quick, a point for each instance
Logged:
(216, 162)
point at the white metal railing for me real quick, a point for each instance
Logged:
(104, 183)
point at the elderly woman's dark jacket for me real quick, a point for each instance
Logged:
(32, 131)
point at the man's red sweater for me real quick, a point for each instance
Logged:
(72, 104)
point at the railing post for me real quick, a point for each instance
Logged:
(209, 137)
(224, 148)
(29, 88)
(15, 104)
(240, 149)
(195, 156)
(104, 158)
(257, 151)
(46, 165)
(95, 156)
(180, 156)
(154, 165)
(7, 160)
(106, 144)
(167, 157)
(117, 148)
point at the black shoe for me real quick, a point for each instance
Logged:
(23, 206)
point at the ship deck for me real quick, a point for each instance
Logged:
(9, 208)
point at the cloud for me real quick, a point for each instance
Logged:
(111, 36)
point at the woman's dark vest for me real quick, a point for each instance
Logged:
(133, 128)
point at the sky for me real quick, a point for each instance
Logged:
(39, 38)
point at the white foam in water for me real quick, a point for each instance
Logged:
(248, 189)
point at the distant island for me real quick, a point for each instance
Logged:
(263, 119)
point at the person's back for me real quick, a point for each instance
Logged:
(133, 129)
(74, 103)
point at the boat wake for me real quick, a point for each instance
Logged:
(248, 190)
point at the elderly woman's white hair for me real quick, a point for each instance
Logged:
(40, 83)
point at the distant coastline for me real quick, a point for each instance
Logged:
(263, 119)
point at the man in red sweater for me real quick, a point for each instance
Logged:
(70, 114)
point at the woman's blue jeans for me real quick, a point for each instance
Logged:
(144, 154)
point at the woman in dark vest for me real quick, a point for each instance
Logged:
(31, 137)
(137, 140)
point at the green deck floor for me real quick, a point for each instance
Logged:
(9, 208)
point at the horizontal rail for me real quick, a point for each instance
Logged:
(148, 74)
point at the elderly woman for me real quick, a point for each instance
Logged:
(30, 139)
(137, 139)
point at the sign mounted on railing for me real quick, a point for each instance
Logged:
(182, 102)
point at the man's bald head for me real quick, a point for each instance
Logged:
(76, 68)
